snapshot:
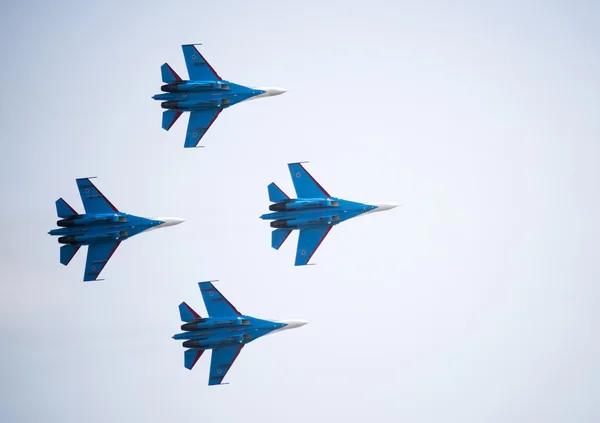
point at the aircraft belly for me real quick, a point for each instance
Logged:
(306, 215)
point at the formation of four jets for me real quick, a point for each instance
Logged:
(103, 227)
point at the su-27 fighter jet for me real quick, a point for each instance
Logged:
(314, 213)
(225, 331)
(205, 95)
(102, 228)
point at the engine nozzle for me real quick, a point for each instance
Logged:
(169, 104)
(279, 224)
(194, 343)
(66, 239)
(278, 206)
(170, 88)
(65, 223)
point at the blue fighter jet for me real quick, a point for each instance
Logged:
(205, 95)
(225, 331)
(102, 228)
(314, 213)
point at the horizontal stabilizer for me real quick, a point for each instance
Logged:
(187, 313)
(168, 74)
(64, 210)
(191, 357)
(169, 118)
(278, 237)
(276, 194)
(67, 252)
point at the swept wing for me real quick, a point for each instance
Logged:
(308, 241)
(94, 202)
(97, 257)
(221, 361)
(198, 68)
(305, 185)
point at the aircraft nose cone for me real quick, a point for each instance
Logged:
(170, 221)
(385, 206)
(175, 221)
(296, 323)
(271, 91)
(277, 91)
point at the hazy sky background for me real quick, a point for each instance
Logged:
(477, 301)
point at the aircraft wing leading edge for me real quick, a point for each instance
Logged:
(221, 361)
(308, 241)
(305, 185)
(197, 66)
(216, 304)
(98, 256)
(200, 122)
(191, 357)
(94, 202)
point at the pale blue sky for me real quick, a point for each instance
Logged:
(474, 302)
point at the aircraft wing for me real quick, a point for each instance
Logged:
(308, 242)
(198, 68)
(216, 304)
(97, 257)
(221, 361)
(94, 202)
(200, 121)
(305, 185)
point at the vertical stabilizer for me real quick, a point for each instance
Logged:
(168, 74)
(276, 194)
(67, 252)
(278, 237)
(191, 357)
(64, 210)
(169, 118)
(187, 313)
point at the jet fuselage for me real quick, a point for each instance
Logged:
(306, 212)
(198, 95)
(212, 332)
(86, 229)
